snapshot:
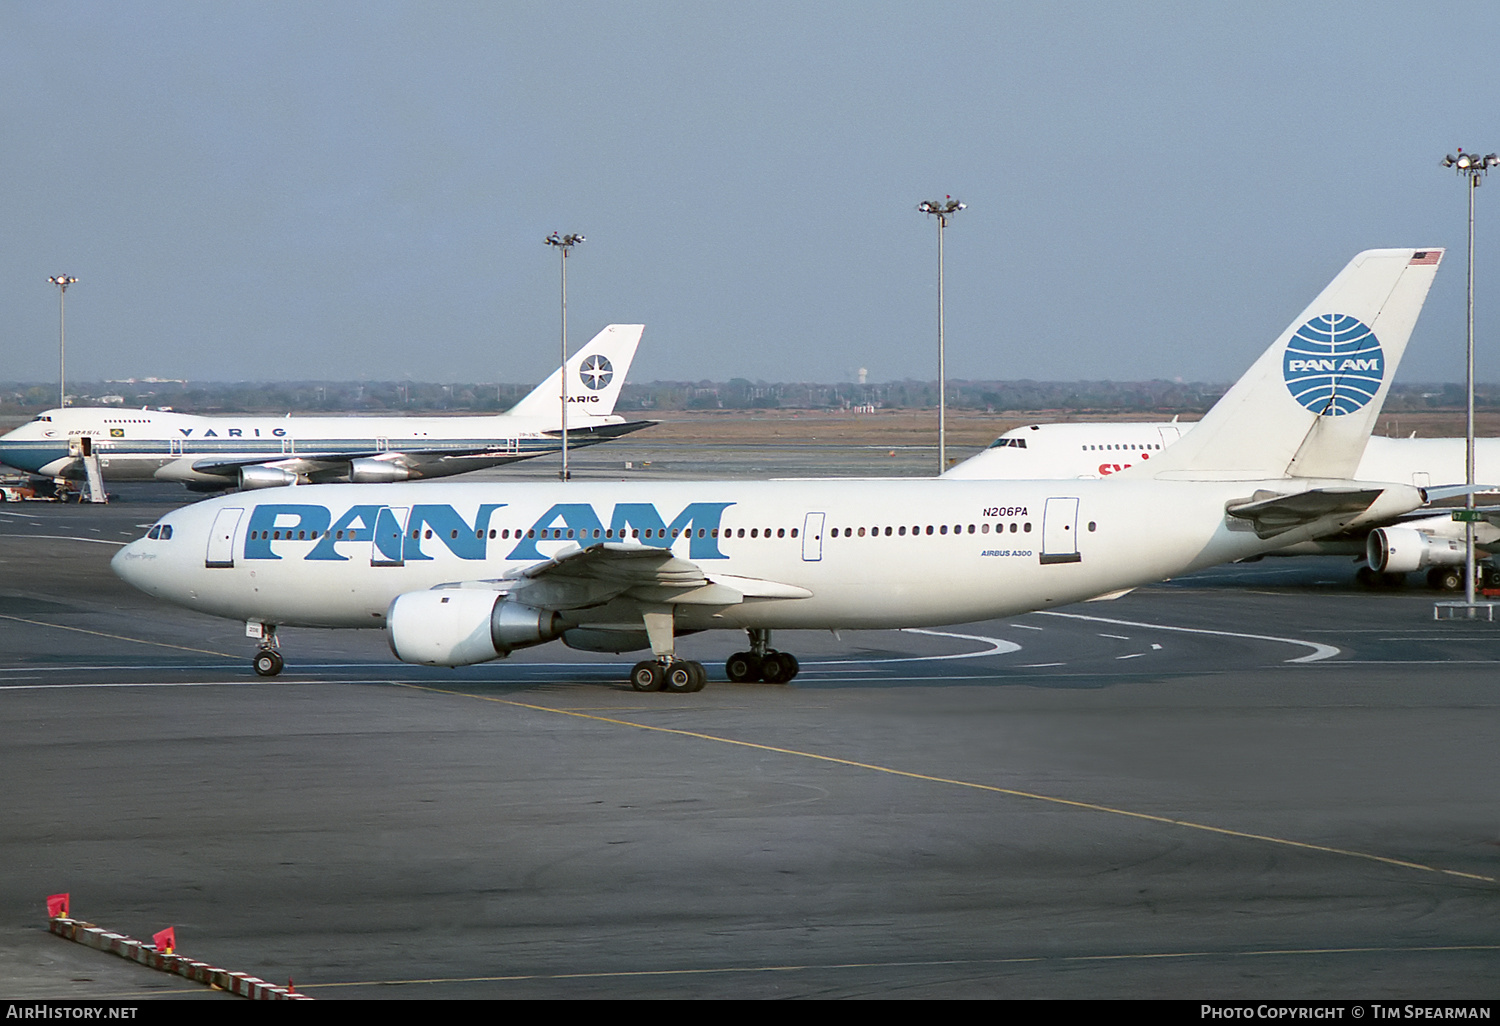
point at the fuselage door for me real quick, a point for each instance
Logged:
(390, 526)
(1060, 531)
(221, 538)
(1169, 435)
(812, 537)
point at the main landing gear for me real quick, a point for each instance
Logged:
(684, 676)
(267, 661)
(679, 676)
(762, 662)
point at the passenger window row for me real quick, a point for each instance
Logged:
(940, 529)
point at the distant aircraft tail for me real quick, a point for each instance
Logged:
(1306, 408)
(595, 375)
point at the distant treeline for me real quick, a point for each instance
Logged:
(1167, 397)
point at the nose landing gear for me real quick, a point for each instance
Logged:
(267, 661)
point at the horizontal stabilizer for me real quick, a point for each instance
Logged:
(1441, 492)
(1275, 514)
(1331, 508)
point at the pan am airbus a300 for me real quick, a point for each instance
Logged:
(214, 453)
(464, 573)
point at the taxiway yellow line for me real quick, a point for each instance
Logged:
(928, 963)
(116, 637)
(974, 785)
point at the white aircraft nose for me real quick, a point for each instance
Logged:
(135, 565)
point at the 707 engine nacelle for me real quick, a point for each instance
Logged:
(1399, 550)
(368, 471)
(462, 626)
(265, 477)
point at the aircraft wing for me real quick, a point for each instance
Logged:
(327, 466)
(302, 463)
(579, 577)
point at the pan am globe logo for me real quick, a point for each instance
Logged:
(1333, 365)
(596, 372)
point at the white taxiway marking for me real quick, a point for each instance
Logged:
(151, 684)
(67, 537)
(1319, 652)
(997, 647)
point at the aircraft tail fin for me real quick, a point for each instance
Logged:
(596, 373)
(1306, 407)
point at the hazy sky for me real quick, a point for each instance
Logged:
(360, 190)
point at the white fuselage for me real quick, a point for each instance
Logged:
(142, 445)
(867, 553)
(1089, 450)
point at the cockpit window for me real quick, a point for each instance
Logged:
(162, 532)
(1008, 443)
(44, 419)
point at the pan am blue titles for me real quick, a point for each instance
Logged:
(213, 453)
(463, 573)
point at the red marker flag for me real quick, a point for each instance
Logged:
(166, 941)
(57, 906)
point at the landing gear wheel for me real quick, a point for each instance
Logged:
(647, 675)
(268, 662)
(684, 677)
(1446, 578)
(778, 667)
(742, 667)
(1367, 576)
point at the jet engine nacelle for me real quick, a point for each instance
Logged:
(368, 471)
(462, 626)
(1399, 550)
(265, 477)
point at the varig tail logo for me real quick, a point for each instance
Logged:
(1333, 365)
(596, 372)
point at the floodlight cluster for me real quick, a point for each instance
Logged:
(1471, 163)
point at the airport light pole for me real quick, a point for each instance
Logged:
(62, 281)
(564, 243)
(942, 210)
(1473, 167)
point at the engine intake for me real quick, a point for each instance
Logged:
(1399, 550)
(463, 626)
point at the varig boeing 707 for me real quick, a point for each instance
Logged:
(214, 453)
